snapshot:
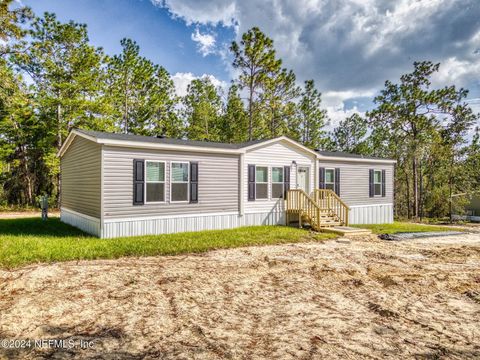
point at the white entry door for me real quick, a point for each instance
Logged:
(303, 178)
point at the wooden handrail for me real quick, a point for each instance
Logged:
(298, 201)
(332, 193)
(328, 200)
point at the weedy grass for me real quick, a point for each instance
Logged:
(30, 240)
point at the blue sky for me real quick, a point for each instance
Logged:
(163, 39)
(349, 47)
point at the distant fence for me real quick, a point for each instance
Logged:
(466, 218)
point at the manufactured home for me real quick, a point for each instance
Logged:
(125, 185)
(472, 209)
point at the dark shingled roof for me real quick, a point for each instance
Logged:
(205, 144)
(347, 155)
(168, 141)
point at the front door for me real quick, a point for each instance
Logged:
(303, 178)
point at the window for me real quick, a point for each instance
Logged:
(155, 181)
(377, 182)
(330, 179)
(179, 181)
(261, 182)
(277, 182)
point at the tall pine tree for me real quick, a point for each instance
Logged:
(131, 80)
(278, 103)
(68, 81)
(12, 18)
(312, 118)
(254, 58)
(234, 121)
(202, 111)
(350, 135)
(411, 119)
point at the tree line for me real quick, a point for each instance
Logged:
(52, 80)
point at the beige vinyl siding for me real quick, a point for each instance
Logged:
(354, 181)
(81, 177)
(276, 155)
(217, 186)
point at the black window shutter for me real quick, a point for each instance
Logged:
(383, 183)
(337, 181)
(193, 182)
(286, 180)
(138, 181)
(370, 183)
(251, 182)
(321, 178)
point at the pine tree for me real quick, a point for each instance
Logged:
(68, 82)
(255, 58)
(202, 110)
(132, 81)
(11, 30)
(472, 162)
(19, 130)
(278, 101)
(166, 120)
(234, 121)
(312, 118)
(409, 120)
(350, 135)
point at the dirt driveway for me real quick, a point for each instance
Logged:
(366, 299)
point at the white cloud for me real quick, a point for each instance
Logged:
(475, 105)
(334, 98)
(205, 42)
(334, 103)
(458, 72)
(182, 80)
(337, 114)
(348, 44)
(200, 12)
(350, 47)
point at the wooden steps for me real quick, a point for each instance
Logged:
(324, 210)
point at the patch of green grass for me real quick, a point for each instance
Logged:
(29, 240)
(398, 227)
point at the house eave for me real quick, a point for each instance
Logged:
(204, 149)
(146, 145)
(360, 160)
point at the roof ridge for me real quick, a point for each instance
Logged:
(171, 140)
(349, 155)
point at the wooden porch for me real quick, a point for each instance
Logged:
(322, 209)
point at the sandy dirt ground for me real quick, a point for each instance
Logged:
(364, 299)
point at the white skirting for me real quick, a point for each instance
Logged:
(371, 214)
(366, 214)
(84, 222)
(263, 218)
(174, 224)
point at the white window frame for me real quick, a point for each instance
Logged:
(180, 182)
(325, 178)
(272, 182)
(376, 183)
(268, 183)
(155, 182)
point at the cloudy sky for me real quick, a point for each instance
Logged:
(349, 47)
